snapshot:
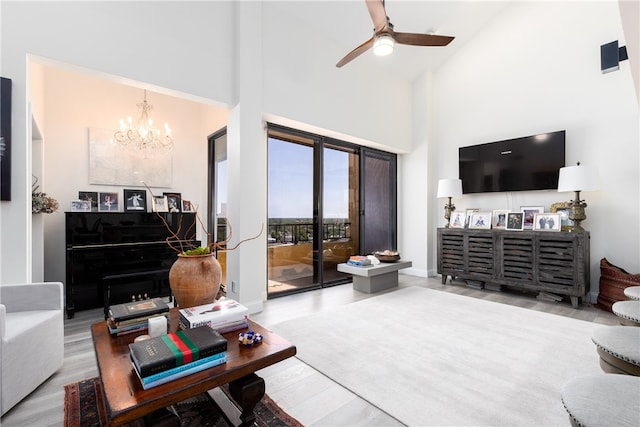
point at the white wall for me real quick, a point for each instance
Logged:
(187, 49)
(536, 68)
(75, 102)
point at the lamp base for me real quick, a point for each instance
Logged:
(448, 208)
(577, 213)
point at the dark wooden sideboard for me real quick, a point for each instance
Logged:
(113, 256)
(552, 262)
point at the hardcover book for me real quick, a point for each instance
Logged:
(210, 363)
(175, 349)
(222, 357)
(133, 309)
(215, 315)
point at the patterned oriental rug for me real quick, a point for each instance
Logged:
(83, 407)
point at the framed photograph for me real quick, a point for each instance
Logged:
(187, 206)
(135, 200)
(480, 220)
(174, 202)
(529, 213)
(468, 214)
(499, 219)
(160, 204)
(515, 221)
(457, 219)
(564, 209)
(547, 222)
(91, 197)
(108, 202)
(80, 206)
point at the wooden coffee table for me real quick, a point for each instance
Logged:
(126, 401)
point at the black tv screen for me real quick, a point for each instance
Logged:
(519, 164)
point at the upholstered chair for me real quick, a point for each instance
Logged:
(31, 338)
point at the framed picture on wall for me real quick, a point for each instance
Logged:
(5, 138)
(529, 214)
(515, 221)
(108, 202)
(174, 202)
(135, 200)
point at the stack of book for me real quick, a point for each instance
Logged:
(359, 260)
(175, 355)
(134, 316)
(223, 316)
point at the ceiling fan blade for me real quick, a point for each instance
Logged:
(422, 39)
(356, 52)
(378, 14)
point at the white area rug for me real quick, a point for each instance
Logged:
(433, 358)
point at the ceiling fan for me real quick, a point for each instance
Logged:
(384, 37)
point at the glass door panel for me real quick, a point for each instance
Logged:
(290, 251)
(340, 211)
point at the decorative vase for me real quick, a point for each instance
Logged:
(195, 279)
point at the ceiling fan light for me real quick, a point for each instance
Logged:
(383, 45)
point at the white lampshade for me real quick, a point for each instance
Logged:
(578, 178)
(449, 188)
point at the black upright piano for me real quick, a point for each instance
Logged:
(114, 257)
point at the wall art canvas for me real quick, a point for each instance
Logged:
(112, 164)
(5, 138)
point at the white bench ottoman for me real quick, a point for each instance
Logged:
(619, 349)
(628, 312)
(603, 400)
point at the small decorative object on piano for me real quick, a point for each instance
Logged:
(249, 338)
(387, 255)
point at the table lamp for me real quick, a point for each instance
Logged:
(449, 188)
(578, 178)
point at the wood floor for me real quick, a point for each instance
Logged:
(303, 392)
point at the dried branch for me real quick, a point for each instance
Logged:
(174, 237)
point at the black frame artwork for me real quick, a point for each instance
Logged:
(135, 200)
(5, 138)
(174, 202)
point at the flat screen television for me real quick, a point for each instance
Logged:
(519, 164)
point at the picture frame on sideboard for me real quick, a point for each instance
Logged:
(529, 213)
(499, 219)
(564, 209)
(480, 220)
(547, 222)
(515, 221)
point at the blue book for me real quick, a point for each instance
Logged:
(181, 371)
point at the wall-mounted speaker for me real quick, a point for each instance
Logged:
(611, 55)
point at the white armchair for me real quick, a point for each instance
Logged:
(31, 338)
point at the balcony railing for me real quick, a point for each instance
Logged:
(302, 232)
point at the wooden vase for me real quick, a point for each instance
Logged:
(195, 279)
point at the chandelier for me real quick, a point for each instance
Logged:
(142, 136)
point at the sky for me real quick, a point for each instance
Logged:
(290, 186)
